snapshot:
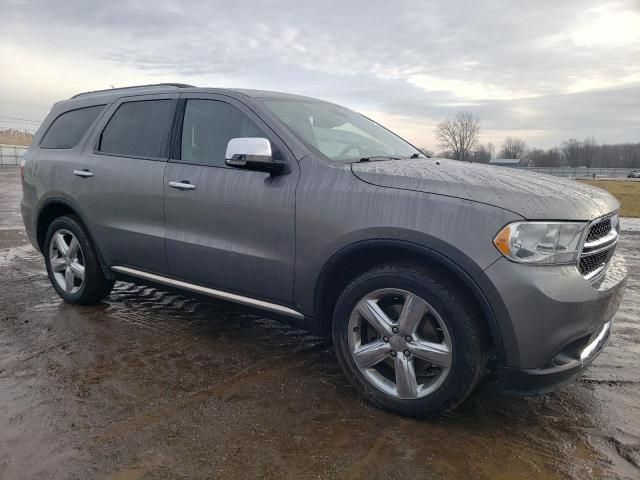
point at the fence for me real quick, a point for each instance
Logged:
(11, 154)
(580, 172)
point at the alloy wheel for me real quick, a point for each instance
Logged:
(67, 261)
(400, 343)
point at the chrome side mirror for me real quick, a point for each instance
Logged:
(251, 153)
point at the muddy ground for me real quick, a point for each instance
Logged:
(154, 385)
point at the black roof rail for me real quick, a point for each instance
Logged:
(176, 85)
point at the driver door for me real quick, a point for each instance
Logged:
(230, 229)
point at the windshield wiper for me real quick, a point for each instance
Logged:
(418, 155)
(378, 157)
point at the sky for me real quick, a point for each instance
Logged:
(543, 71)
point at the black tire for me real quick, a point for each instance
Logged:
(95, 286)
(468, 342)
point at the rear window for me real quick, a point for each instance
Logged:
(67, 130)
(139, 129)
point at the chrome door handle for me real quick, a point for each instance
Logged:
(183, 185)
(83, 173)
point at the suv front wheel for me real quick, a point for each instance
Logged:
(408, 341)
(72, 263)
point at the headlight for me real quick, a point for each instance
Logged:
(541, 242)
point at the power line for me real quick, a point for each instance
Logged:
(29, 105)
(19, 123)
(19, 119)
(16, 127)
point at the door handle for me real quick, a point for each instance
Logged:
(83, 173)
(183, 185)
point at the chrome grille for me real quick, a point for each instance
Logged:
(591, 263)
(599, 246)
(599, 230)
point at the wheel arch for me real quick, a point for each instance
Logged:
(54, 208)
(48, 212)
(354, 259)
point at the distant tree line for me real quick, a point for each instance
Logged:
(458, 137)
(11, 136)
(586, 153)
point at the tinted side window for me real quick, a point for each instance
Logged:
(67, 130)
(208, 126)
(139, 129)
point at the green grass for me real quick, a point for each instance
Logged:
(627, 193)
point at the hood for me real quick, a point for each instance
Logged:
(532, 195)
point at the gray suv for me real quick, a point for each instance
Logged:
(426, 273)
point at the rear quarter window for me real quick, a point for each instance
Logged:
(69, 128)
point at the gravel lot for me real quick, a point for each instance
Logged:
(151, 384)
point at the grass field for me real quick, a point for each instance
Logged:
(10, 136)
(627, 193)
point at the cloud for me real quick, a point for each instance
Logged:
(544, 69)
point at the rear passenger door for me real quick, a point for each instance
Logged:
(121, 189)
(232, 229)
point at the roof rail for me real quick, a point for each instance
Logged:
(176, 85)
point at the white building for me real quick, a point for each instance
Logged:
(505, 162)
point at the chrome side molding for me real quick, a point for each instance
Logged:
(210, 292)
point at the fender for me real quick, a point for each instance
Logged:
(473, 278)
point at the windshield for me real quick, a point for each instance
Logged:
(338, 133)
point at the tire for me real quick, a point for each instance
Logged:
(86, 284)
(445, 351)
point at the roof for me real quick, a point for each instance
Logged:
(505, 161)
(154, 87)
(172, 87)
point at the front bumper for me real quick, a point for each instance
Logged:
(547, 315)
(564, 368)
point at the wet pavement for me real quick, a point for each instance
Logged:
(151, 384)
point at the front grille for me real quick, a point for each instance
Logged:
(598, 247)
(599, 230)
(591, 263)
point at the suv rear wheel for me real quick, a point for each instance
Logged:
(72, 263)
(407, 341)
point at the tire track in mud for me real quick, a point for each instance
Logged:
(8, 256)
(168, 312)
(224, 390)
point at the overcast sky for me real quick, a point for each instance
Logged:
(541, 70)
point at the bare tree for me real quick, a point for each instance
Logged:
(482, 153)
(538, 157)
(577, 153)
(459, 134)
(513, 148)
(588, 149)
(621, 155)
(572, 150)
(553, 157)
